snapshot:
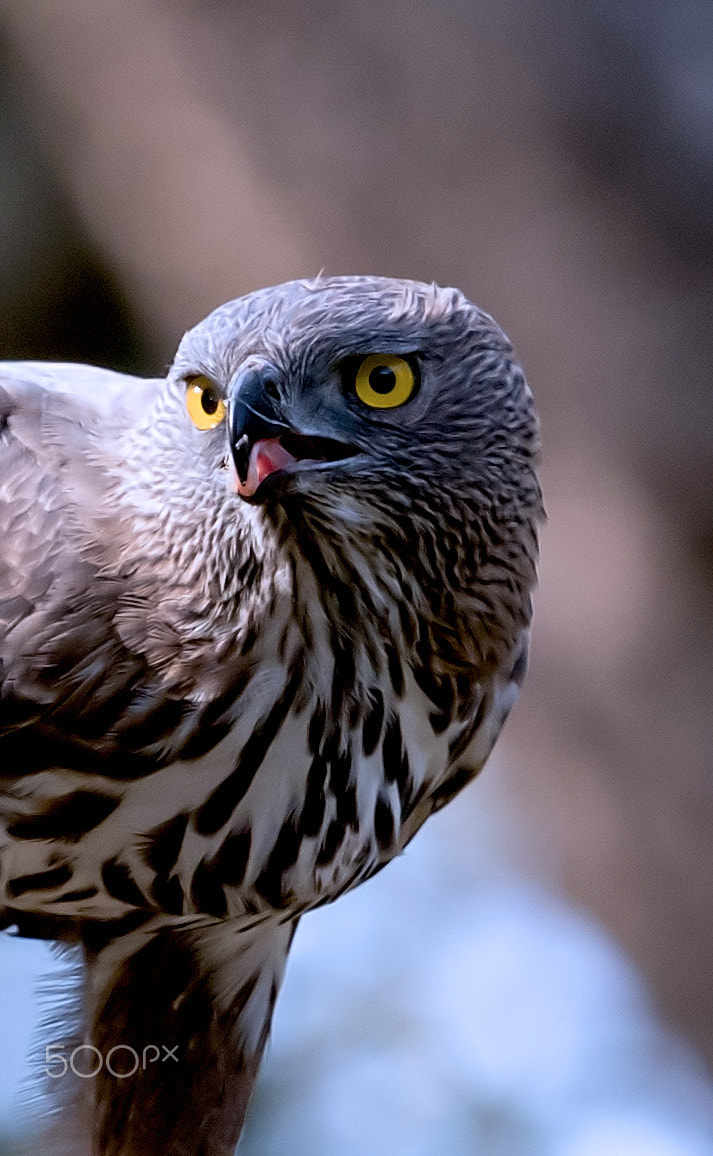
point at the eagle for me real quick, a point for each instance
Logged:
(258, 620)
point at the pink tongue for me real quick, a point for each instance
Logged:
(266, 456)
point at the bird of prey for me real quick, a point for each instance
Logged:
(258, 620)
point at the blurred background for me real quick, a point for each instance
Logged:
(533, 977)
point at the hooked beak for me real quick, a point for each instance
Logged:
(262, 442)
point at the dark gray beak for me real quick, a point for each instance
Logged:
(253, 411)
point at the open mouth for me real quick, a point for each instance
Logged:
(280, 455)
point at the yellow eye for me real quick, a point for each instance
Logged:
(384, 381)
(205, 406)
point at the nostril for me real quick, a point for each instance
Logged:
(271, 390)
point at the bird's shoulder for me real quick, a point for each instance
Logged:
(55, 421)
(53, 414)
(58, 423)
(31, 392)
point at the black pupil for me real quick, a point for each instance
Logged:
(209, 401)
(382, 379)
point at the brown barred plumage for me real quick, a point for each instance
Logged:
(242, 663)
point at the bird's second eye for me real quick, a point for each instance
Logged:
(384, 380)
(205, 406)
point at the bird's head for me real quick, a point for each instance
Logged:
(355, 392)
(363, 444)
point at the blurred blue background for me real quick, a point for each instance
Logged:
(532, 978)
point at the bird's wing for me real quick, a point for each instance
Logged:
(60, 660)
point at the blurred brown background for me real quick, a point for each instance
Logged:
(554, 161)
